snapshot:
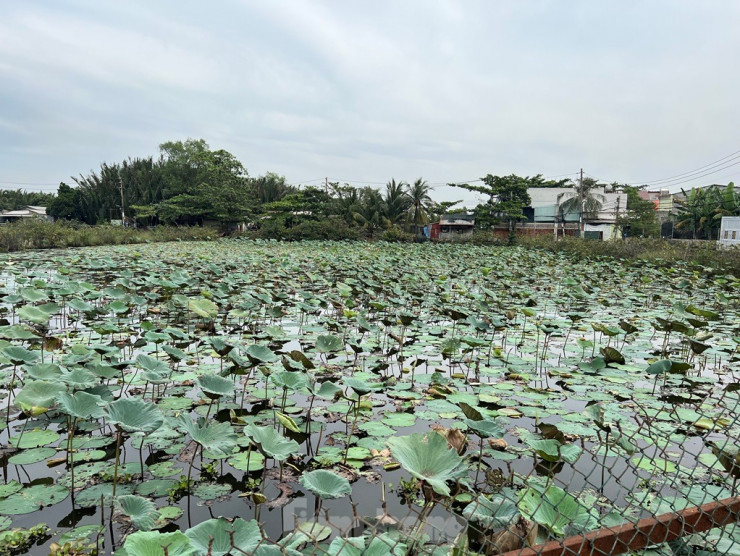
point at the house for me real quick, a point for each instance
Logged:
(29, 211)
(544, 215)
(453, 226)
(729, 231)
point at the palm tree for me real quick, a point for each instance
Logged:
(584, 199)
(396, 201)
(419, 205)
(370, 213)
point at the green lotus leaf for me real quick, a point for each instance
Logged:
(17, 332)
(141, 511)
(239, 461)
(44, 371)
(556, 510)
(271, 442)
(80, 534)
(38, 396)
(325, 484)
(362, 387)
(659, 367)
(36, 315)
(259, 355)
(32, 498)
(152, 543)
(203, 307)
(289, 380)
(149, 363)
(328, 390)
(134, 415)
(81, 405)
(215, 386)
(211, 491)
(33, 438)
(218, 438)
(486, 428)
(329, 344)
(314, 530)
(19, 355)
(496, 512)
(216, 537)
(551, 450)
(32, 455)
(428, 458)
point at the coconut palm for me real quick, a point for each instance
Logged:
(370, 213)
(583, 199)
(396, 201)
(419, 204)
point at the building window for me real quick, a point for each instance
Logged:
(734, 234)
(726, 232)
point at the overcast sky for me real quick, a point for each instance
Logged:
(366, 91)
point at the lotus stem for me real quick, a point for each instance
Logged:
(115, 469)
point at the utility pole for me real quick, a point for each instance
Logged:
(583, 202)
(326, 185)
(123, 214)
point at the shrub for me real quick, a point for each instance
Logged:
(396, 235)
(40, 234)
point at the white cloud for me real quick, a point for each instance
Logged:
(369, 91)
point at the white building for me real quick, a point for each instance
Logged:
(21, 214)
(729, 231)
(544, 208)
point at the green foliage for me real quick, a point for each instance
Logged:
(641, 219)
(429, 459)
(40, 234)
(701, 210)
(18, 541)
(507, 198)
(583, 200)
(17, 199)
(67, 204)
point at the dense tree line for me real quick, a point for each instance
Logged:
(16, 199)
(189, 183)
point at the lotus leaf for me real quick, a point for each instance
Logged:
(134, 415)
(428, 458)
(141, 511)
(271, 442)
(325, 484)
(216, 537)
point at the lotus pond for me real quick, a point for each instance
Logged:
(350, 398)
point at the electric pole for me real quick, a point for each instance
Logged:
(123, 214)
(326, 185)
(583, 202)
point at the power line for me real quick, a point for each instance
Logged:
(26, 183)
(722, 160)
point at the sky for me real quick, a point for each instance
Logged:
(362, 92)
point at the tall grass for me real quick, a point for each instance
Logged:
(706, 254)
(39, 234)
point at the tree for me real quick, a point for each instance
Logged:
(220, 191)
(14, 199)
(419, 205)
(396, 201)
(66, 205)
(371, 211)
(507, 198)
(701, 210)
(584, 199)
(641, 219)
(271, 187)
